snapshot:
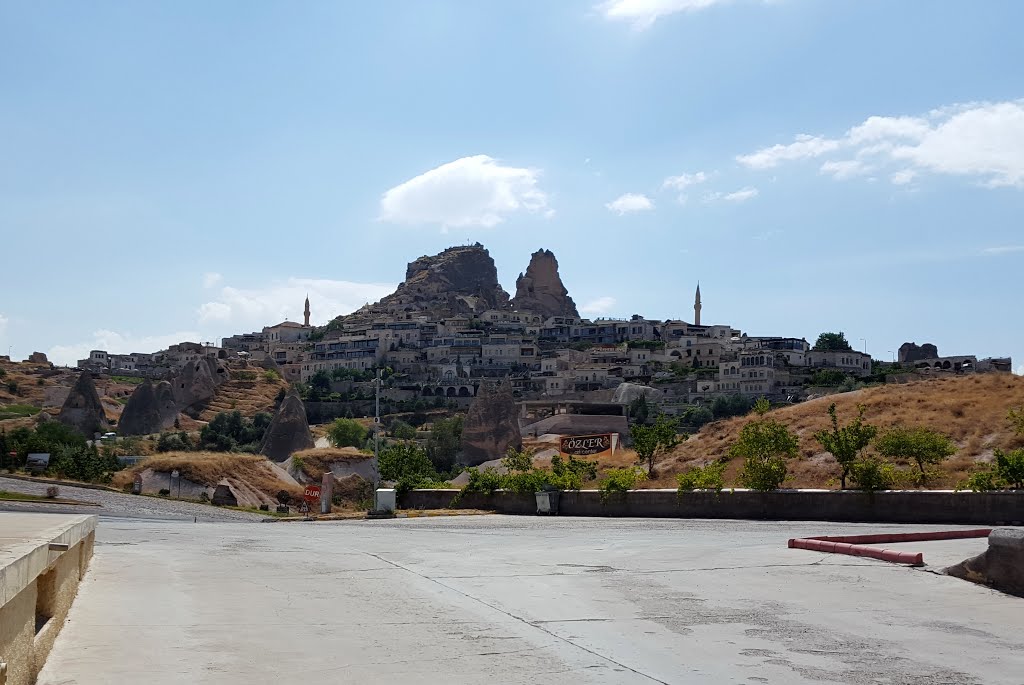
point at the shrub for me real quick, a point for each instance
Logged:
(486, 481)
(444, 443)
(983, 480)
(230, 430)
(517, 460)
(731, 405)
(572, 473)
(846, 443)
(617, 482)
(764, 445)
(696, 416)
(871, 473)
(271, 376)
(164, 492)
(401, 430)
(1007, 471)
(829, 378)
(52, 492)
(650, 441)
(346, 433)
(923, 446)
(174, 442)
(708, 477)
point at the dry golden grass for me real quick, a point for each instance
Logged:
(249, 397)
(972, 410)
(209, 468)
(317, 461)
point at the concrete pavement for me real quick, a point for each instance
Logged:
(523, 600)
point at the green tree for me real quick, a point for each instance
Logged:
(518, 460)
(1016, 417)
(639, 410)
(444, 443)
(730, 405)
(1010, 468)
(400, 430)
(832, 342)
(845, 443)
(697, 416)
(651, 441)
(346, 433)
(764, 445)
(922, 446)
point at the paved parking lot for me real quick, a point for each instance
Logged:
(493, 599)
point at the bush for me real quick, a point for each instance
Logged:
(731, 405)
(708, 477)
(871, 473)
(617, 482)
(829, 378)
(83, 464)
(572, 473)
(922, 446)
(696, 416)
(230, 431)
(400, 430)
(1007, 471)
(271, 376)
(52, 492)
(444, 443)
(346, 433)
(764, 445)
(174, 442)
(164, 492)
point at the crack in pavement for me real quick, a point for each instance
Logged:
(532, 624)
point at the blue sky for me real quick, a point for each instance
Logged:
(187, 170)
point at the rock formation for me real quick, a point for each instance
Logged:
(1000, 566)
(627, 393)
(289, 431)
(38, 358)
(459, 281)
(540, 289)
(912, 352)
(82, 409)
(150, 409)
(491, 425)
(197, 381)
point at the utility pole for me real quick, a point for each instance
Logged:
(376, 432)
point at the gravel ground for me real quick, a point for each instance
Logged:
(118, 504)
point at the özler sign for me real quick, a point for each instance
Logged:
(586, 445)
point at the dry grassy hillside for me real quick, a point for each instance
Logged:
(249, 391)
(209, 468)
(970, 409)
(23, 385)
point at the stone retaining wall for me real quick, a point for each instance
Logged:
(989, 508)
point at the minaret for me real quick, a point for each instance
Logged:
(306, 312)
(696, 307)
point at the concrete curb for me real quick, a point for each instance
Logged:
(857, 545)
(66, 483)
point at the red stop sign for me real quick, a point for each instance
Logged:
(311, 494)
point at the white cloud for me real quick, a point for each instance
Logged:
(211, 278)
(684, 181)
(253, 308)
(903, 177)
(741, 195)
(630, 202)
(117, 342)
(844, 169)
(1003, 249)
(601, 305)
(803, 147)
(983, 140)
(471, 191)
(643, 13)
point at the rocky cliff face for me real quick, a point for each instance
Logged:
(82, 409)
(540, 289)
(459, 281)
(911, 352)
(289, 431)
(491, 425)
(197, 381)
(150, 409)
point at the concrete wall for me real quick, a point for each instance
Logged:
(37, 586)
(992, 508)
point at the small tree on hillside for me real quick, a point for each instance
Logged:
(846, 443)
(1016, 417)
(346, 433)
(764, 445)
(832, 342)
(923, 446)
(650, 441)
(444, 443)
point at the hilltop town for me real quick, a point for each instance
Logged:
(450, 326)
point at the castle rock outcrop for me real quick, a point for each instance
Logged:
(150, 409)
(491, 425)
(289, 431)
(912, 352)
(540, 290)
(461, 280)
(82, 409)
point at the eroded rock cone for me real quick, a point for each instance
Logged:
(289, 431)
(540, 290)
(150, 409)
(197, 381)
(491, 425)
(82, 410)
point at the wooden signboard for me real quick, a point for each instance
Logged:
(586, 445)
